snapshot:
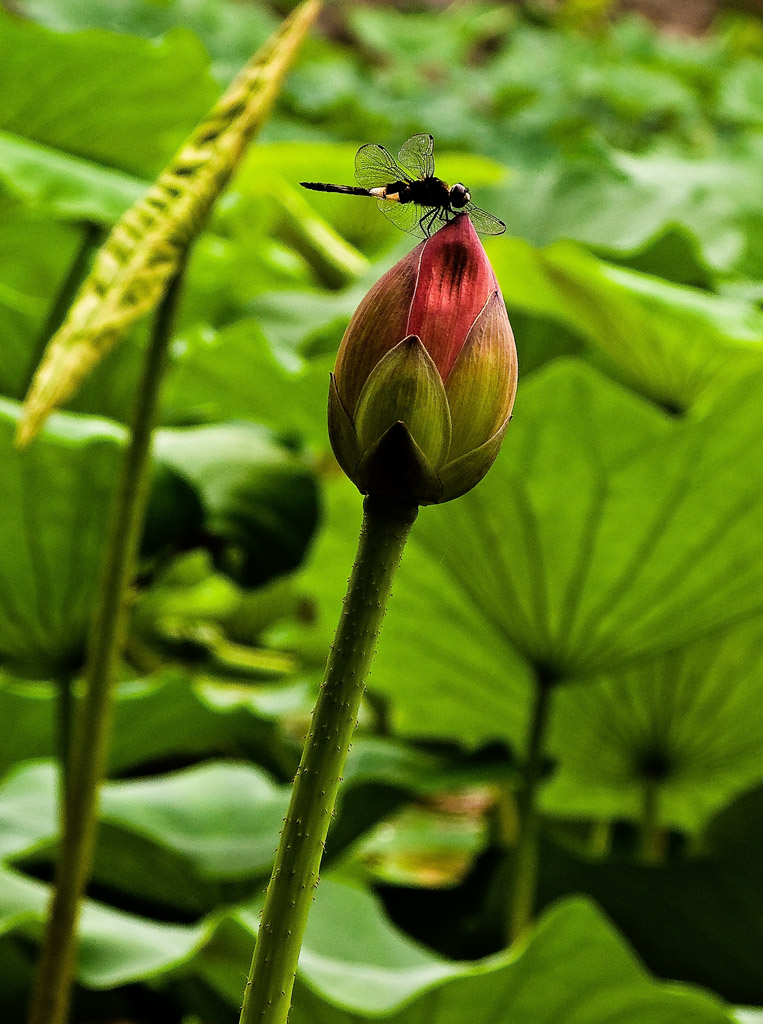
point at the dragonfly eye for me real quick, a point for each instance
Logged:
(459, 196)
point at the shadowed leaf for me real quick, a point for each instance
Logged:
(690, 721)
(574, 965)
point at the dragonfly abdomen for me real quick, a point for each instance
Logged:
(347, 190)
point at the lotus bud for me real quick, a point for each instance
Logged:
(426, 374)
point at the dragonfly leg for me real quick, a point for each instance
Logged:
(429, 217)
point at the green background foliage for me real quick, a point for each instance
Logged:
(614, 549)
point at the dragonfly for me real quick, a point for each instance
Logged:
(407, 191)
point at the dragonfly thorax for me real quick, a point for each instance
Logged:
(459, 196)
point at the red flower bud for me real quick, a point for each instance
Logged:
(426, 374)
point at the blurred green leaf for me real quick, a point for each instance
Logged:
(16, 972)
(428, 847)
(115, 947)
(260, 502)
(35, 256)
(574, 960)
(619, 203)
(57, 498)
(690, 722)
(32, 708)
(224, 818)
(574, 964)
(234, 374)
(698, 917)
(381, 774)
(230, 31)
(65, 187)
(674, 345)
(741, 93)
(202, 829)
(165, 719)
(28, 813)
(114, 101)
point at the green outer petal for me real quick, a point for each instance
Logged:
(463, 473)
(344, 441)
(396, 466)
(482, 384)
(406, 387)
(379, 323)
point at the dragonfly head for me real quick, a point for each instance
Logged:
(459, 196)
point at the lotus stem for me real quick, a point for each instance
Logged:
(51, 993)
(653, 838)
(600, 839)
(386, 525)
(64, 685)
(524, 876)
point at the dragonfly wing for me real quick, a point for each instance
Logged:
(405, 216)
(417, 154)
(484, 223)
(375, 167)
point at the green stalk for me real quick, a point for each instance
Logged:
(600, 839)
(525, 871)
(51, 993)
(653, 838)
(64, 684)
(507, 815)
(91, 238)
(386, 524)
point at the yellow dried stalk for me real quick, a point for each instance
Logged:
(145, 246)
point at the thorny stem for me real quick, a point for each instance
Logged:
(53, 983)
(386, 524)
(525, 870)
